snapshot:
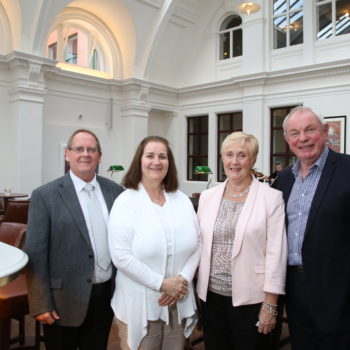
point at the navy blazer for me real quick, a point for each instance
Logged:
(61, 258)
(326, 246)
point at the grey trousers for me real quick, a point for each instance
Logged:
(160, 336)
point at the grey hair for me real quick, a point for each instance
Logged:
(86, 131)
(317, 114)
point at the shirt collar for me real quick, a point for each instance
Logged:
(320, 162)
(79, 183)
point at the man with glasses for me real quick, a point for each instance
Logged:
(317, 195)
(70, 274)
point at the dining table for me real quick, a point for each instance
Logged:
(12, 260)
(13, 291)
(7, 196)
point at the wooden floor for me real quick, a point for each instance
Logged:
(113, 343)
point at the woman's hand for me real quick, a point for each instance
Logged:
(267, 319)
(175, 287)
(166, 300)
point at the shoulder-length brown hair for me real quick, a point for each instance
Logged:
(133, 176)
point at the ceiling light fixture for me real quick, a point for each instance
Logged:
(249, 7)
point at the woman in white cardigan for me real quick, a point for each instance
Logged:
(154, 242)
(243, 263)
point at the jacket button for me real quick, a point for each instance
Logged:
(88, 280)
(91, 256)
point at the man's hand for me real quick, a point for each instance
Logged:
(48, 317)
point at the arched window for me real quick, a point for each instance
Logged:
(75, 46)
(81, 42)
(230, 37)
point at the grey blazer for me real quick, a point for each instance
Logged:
(61, 259)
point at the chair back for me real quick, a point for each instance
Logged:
(2, 206)
(13, 233)
(17, 211)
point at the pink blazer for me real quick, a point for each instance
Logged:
(259, 254)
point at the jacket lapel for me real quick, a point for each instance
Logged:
(325, 179)
(244, 217)
(107, 194)
(69, 197)
(214, 201)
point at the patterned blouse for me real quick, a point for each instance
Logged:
(220, 279)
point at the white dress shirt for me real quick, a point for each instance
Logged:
(100, 275)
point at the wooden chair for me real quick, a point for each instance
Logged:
(13, 233)
(17, 211)
(2, 206)
(2, 209)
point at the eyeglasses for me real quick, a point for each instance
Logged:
(81, 149)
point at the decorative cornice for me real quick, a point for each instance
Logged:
(30, 94)
(131, 110)
(78, 80)
(154, 3)
(270, 78)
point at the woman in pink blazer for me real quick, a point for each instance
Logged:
(243, 261)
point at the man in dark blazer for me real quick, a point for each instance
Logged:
(69, 293)
(317, 196)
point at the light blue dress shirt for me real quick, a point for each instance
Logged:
(298, 206)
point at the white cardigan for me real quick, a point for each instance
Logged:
(139, 250)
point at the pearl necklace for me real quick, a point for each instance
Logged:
(238, 195)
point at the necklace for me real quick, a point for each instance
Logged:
(158, 198)
(238, 195)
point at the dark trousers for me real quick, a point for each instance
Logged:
(231, 328)
(303, 331)
(94, 331)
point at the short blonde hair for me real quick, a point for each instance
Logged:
(248, 140)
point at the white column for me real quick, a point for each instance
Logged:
(27, 92)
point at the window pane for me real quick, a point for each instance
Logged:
(221, 174)
(95, 60)
(224, 122)
(224, 46)
(227, 123)
(279, 149)
(231, 22)
(190, 168)
(278, 120)
(342, 25)
(203, 143)
(190, 144)
(197, 138)
(53, 51)
(222, 137)
(292, 160)
(277, 160)
(280, 32)
(204, 125)
(279, 7)
(195, 124)
(279, 145)
(52, 45)
(237, 43)
(295, 5)
(237, 122)
(195, 145)
(324, 24)
(72, 49)
(296, 28)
